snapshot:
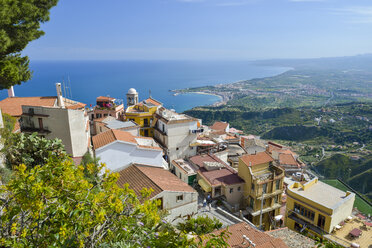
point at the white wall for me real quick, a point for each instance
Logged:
(187, 206)
(118, 155)
(69, 125)
(342, 211)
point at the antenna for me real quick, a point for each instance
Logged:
(149, 93)
(69, 86)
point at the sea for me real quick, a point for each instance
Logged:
(85, 80)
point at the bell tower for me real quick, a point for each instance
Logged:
(132, 97)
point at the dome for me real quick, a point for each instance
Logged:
(132, 91)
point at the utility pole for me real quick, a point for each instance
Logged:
(262, 198)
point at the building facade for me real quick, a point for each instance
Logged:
(106, 106)
(118, 149)
(174, 196)
(262, 190)
(142, 113)
(175, 133)
(316, 207)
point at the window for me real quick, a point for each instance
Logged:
(146, 133)
(180, 198)
(41, 127)
(239, 188)
(276, 199)
(264, 202)
(177, 149)
(105, 115)
(277, 182)
(321, 221)
(100, 129)
(231, 190)
(251, 202)
(304, 211)
(180, 175)
(264, 188)
(252, 187)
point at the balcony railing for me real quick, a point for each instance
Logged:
(294, 216)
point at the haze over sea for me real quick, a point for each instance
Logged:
(90, 79)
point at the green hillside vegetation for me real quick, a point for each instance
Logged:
(357, 174)
(359, 203)
(340, 124)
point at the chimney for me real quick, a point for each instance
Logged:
(60, 101)
(11, 92)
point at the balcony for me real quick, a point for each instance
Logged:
(264, 210)
(297, 218)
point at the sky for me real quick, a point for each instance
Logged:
(204, 30)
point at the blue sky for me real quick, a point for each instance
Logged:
(204, 29)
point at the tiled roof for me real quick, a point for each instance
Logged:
(199, 160)
(137, 181)
(153, 101)
(218, 125)
(165, 179)
(274, 147)
(287, 159)
(13, 105)
(112, 135)
(255, 159)
(260, 239)
(221, 176)
(158, 179)
(291, 238)
(78, 105)
(104, 98)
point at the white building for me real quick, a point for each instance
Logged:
(69, 125)
(175, 196)
(175, 133)
(52, 117)
(118, 149)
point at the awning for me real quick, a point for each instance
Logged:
(205, 186)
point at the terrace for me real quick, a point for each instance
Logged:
(343, 236)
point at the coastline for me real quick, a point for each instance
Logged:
(224, 97)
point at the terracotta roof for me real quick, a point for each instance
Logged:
(13, 105)
(104, 98)
(110, 136)
(287, 159)
(199, 160)
(273, 147)
(255, 159)
(218, 125)
(158, 179)
(137, 180)
(78, 105)
(221, 176)
(260, 239)
(153, 101)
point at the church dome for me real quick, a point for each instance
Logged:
(132, 91)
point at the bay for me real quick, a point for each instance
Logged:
(89, 79)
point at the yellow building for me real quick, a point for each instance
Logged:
(143, 114)
(316, 208)
(262, 189)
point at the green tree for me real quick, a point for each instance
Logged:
(32, 150)
(19, 24)
(54, 205)
(199, 225)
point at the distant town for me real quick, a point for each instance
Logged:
(260, 190)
